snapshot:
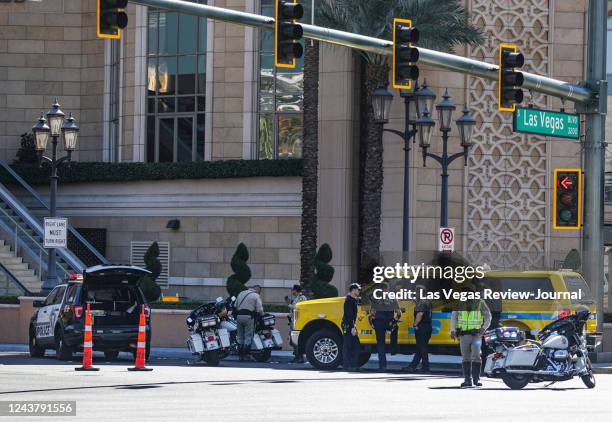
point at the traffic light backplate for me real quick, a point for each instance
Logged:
(394, 83)
(567, 199)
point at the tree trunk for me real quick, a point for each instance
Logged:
(310, 154)
(373, 75)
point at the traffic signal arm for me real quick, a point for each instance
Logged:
(510, 79)
(287, 33)
(111, 18)
(405, 55)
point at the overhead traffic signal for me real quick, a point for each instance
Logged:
(510, 78)
(405, 56)
(111, 18)
(287, 33)
(567, 201)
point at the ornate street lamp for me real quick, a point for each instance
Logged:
(71, 134)
(424, 126)
(425, 99)
(381, 103)
(70, 131)
(41, 133)
(466, 124)
(445, 112)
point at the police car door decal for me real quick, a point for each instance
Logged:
(43, 326)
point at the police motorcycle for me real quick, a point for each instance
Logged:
(210, 325)
(559, 354)
(266, 338)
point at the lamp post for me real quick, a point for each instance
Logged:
(424, 126)
(381, 103)
(57, 126)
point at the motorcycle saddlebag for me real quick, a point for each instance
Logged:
(522, 356)
(256, 344)
(277, 338)
(195, 344)
(224, 337)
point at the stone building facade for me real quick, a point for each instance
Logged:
(178, 86)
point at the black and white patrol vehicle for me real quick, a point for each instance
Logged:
(115, 300)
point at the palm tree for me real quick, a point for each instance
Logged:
(310, 154)
(443, 24)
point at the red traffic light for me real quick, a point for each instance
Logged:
(565, 182)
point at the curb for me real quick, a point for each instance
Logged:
(604, 370)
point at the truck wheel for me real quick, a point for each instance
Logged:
(62, 351)
(515, 381)
(364, 357)
(324, 350)
(36, 351)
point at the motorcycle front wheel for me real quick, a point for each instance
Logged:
(516, 381)
(589, 378)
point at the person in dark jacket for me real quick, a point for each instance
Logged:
(350, 339)
(382, 313)
(422, 330)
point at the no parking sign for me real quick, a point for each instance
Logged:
(446, 239)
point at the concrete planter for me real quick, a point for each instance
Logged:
(168, 325)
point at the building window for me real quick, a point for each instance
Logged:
(176, 82)
(280, 100)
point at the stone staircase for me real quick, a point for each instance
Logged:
(20, 270)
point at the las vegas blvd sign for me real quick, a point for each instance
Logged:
(546, 123)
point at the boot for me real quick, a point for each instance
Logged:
(467, 374)
(476, 373)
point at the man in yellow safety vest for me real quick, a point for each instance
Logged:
(468, 323)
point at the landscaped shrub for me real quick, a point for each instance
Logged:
(242, 273)
(27, 150)
(319, 284)
(149, 287)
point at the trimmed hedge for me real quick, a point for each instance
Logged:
(78, 172)
(272, 307)
(11, 300)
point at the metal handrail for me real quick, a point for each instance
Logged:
(35, 225)
(12, 278)
(33, 241)
(42, 202)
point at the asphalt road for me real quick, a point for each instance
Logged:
(277, 391)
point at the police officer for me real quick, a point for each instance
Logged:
(248, 307)
(422, 330)
(468, 323)
(350, 341)
(296, 297)
(382, 313)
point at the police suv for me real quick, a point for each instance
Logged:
(115, 300)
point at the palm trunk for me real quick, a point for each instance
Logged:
(373, 75)
(310, 154)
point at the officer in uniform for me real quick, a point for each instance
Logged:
(350, 341)
(382, 313)
(296, 297)
(248, 307)
(468, 323)
(422, 330)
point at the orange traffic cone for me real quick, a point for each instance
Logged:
(87, 344)
(141, 346)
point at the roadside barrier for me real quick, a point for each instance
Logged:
(87, 344)
(141, 346)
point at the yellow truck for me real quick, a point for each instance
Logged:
(316, 323)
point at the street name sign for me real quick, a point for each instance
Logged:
(446, 239)
(56, 232)
(546, 123)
